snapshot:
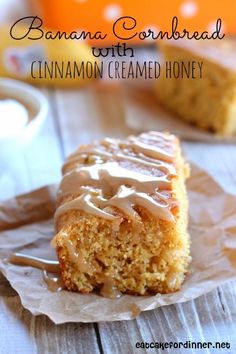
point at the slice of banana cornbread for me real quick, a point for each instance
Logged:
(122, 216)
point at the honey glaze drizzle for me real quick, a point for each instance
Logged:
(109, 289)
(128, 173)
(54, 283)
(35, 262)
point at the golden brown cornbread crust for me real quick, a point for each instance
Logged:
(154, 260)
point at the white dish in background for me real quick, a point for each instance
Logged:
(37, 107)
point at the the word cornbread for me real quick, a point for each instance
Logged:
(122, 215)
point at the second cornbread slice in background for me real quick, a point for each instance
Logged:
(209, 101)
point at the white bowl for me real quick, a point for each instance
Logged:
(38, 104)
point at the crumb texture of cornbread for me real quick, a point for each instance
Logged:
(122, 216)
(208, 102)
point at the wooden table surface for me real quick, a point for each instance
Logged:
(79, 116)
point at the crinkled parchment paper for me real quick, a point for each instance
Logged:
(213, 233)
(144, 112)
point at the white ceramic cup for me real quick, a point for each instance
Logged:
(31, 97)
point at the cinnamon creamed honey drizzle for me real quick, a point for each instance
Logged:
(36, 262)
(122, 175)
(54, 283)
